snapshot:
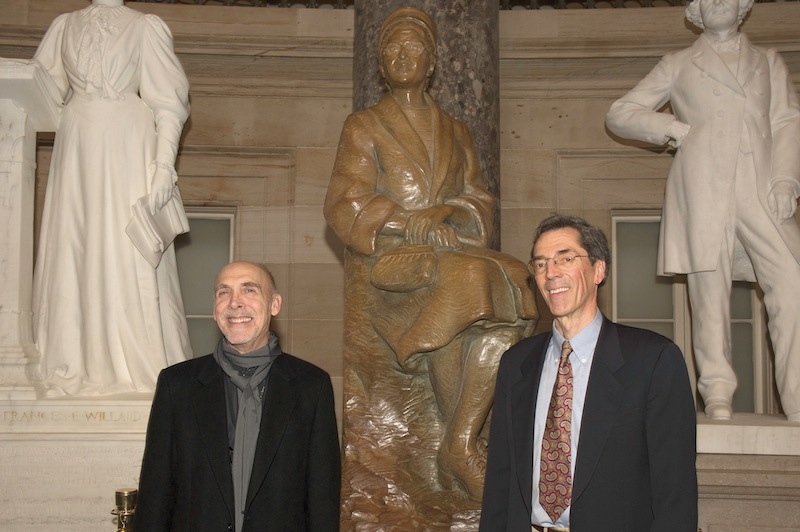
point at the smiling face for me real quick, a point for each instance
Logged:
(406, 60)
(244, 303)
(570, 291)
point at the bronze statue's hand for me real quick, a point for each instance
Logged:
(161, 187)
(445, 236)
(782, 200)
(421, 223)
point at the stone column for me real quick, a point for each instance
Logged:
(27, 105)
(466, 82)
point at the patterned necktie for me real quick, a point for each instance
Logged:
(555, 475)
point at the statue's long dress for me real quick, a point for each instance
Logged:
(105, 320)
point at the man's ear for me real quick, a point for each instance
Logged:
(275, 304)
(599, 271)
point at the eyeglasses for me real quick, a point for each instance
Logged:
(562, 262)
(412, 48)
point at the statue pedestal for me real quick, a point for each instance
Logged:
(748, 434)
(28, 104)
(62, 460)
(748, 472)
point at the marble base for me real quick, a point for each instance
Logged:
(748, 434)
(61, 461)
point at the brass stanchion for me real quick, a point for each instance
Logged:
(126, 505)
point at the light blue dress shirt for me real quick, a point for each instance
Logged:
(583, 346)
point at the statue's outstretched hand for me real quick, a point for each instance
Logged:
(782, 200)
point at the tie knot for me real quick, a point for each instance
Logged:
(566, 349)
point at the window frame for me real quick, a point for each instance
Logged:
(765, 396)
(212, 213)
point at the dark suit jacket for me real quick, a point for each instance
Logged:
(635, 467)
(186, 482)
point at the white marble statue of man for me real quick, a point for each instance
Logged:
(105, 320)
(732, 190)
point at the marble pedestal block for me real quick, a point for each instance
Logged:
(61, 461)
(748, 434)
(748, 472)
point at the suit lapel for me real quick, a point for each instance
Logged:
(522, 408)
(707, 60)
(279, 401)
(749, 58)
(212, 424)
(398, 126)
(602, 401)
(443, 138)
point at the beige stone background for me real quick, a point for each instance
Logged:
(270, 89)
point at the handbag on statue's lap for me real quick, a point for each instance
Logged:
(405, 269)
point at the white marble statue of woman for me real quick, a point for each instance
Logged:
(106, 322)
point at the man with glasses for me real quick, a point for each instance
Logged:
(593, 426)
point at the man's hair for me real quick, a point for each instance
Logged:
(693, 12)
(592, 238)
(272, 286)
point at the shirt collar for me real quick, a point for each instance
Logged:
(731, 44)
(583, 343)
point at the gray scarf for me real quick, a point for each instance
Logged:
(244, 394)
